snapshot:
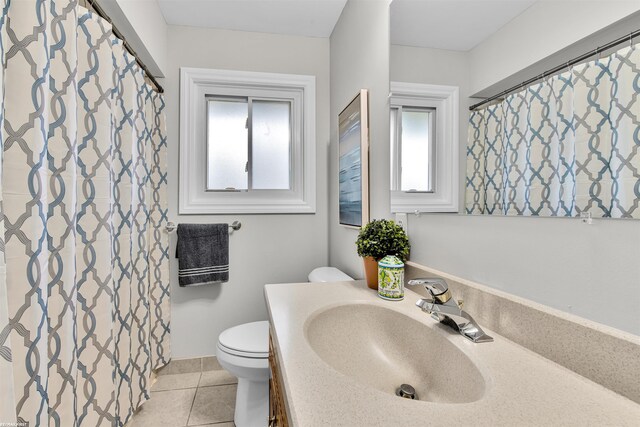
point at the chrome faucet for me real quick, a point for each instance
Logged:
(446, 310)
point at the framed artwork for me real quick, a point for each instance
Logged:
(353, 152)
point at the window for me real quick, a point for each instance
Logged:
(412, 148)
(424, 148)
(247, 142)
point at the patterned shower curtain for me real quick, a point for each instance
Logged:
(84, 284)
(567, 145)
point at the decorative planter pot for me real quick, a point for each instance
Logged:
(371, 272)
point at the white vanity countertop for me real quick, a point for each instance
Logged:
(523, 388)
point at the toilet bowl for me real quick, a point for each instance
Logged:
(243, 350)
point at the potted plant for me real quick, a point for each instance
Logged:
(377, 239)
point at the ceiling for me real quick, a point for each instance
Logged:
(313, 18)
(450, 24)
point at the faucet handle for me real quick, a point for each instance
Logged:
(437, 287)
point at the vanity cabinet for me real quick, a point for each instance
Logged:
(277, 410)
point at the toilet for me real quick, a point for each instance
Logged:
(243, 350)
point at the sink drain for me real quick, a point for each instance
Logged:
(406, 391)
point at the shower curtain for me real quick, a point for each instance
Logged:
(84, 284)
(567, 145)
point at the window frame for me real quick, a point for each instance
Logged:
(197, 86)
(445, 170)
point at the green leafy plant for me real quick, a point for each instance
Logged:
(382, 237)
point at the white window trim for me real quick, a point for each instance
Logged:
(445, 99)
(193, 198)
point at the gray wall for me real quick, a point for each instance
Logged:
(588, 270)
(144, 27)
(360, 60)
(543, 29)
(268, 248)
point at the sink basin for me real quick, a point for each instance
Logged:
(383, 348)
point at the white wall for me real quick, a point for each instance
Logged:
(560, 262)
(545, 28)
(143, 25)
(268, 248)
(360, 60)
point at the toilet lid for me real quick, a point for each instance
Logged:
(250, 339)
(328, 274)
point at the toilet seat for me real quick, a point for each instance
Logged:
(245, 354)
(249, 340)
(251, 367)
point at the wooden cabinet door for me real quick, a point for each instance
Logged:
(277, 410)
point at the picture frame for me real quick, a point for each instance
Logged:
(353, 161)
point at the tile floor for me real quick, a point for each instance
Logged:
(190, 392)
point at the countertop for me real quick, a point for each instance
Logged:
(523, 388)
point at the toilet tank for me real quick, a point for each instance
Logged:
(328, 274)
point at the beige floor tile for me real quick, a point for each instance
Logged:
(210, 363)
(211, 378)
(176, 381)
(181, 366)
(165, 409)
(213, 405)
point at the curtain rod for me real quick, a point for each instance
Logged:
(98, 9)
(547, 73)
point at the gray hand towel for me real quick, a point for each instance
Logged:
(203, 254)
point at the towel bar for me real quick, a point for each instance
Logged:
(172, 226)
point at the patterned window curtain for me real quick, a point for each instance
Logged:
(567, 145)
(84, 280)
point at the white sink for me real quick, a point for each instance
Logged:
(342, 353)
(383, 348)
